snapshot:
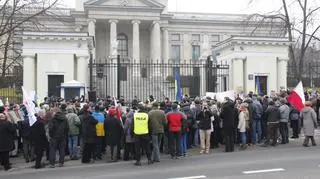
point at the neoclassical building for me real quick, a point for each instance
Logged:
(143, 31)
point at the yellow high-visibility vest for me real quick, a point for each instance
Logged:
(141, 123)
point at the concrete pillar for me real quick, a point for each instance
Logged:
(92, 32)
(165, 51)
(237, 74)
(113, 38)
(282, 73)
(113, 78)
(156, 41)
(203, 82)
(136, 47)
(29, 75)
(83, 70)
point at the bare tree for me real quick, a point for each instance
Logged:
(15, 14)
(301, 23)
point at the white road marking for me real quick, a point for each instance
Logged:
(264, 171)
(192, 177)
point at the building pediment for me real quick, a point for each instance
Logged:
(124, 4)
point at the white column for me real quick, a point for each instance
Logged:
(83, 70)
(203, 76)
(165, 45)
(113, 38)
(136, 40)
(282, 73)
(29, 73)
(156, 41)
(237, 74)
(92, 32)
(136, 47)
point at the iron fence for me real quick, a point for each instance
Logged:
(130, 79)
(310, 74)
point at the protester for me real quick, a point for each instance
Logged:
(205, 125)
(113, 132)
(7, 133)
(88, 134)
(295, 122)
(284, 119)
(157, 122)
(58, 132)
(74, 131)
(243, 124)
(228, 115)
(273, 118)
(100, 139)
(309, 123)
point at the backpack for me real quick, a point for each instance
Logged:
(295, 116)
(190, 117)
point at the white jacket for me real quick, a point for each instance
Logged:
(242, 122)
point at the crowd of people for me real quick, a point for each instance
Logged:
(89, 131)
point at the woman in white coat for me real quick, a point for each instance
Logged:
(242, 126)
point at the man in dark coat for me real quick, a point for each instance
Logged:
(228, 118)
(58, 132)
(114, 131)
(88, 134)
(39, 140)
(7, 133)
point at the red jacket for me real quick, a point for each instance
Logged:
(175, 119)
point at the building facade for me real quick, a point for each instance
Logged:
(143, 31)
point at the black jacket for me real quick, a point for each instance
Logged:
(38, 134)
(89, 133)
(7, 135)
(58, 126)
(227, 115)
(205, 120)
(272, 114)
(113, 131)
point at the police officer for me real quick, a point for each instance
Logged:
(141, 130)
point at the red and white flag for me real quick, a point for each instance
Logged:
(117, 106)
(296, 97)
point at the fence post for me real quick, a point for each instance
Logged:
(90, 72)
(118, 79)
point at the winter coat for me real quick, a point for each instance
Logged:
(114, 131)
(7, 133)
(257, 110)
(88, 128)
(284, 113)
(309, 121)
(24, 128)
(157, 121)
(243, 120)
(227, 115)
(38, 134)
(74, 124)
(205, 120)
(175, 120)
(58, 126)
(273, 114)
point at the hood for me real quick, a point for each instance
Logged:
(306, 110)
(60, 115)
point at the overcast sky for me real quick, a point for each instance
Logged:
(215, 6)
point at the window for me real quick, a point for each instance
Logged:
(195, 52)
(215, 38)
(175, 37)
(175, 52)
(196, 37)
(122, 45)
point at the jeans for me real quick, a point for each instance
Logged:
(295, 128)
(284, 131)
(196, 138)
(28, 150)
(142, 143)
(88, 152)
(156, 141)
(256, 131)
(73, 145)
(99, 147)
(205, 139)
(183, 146)
(175, 140)
(60, 145)
(4, 160)
(243, 136)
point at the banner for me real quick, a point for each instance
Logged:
(221, 95)
(30, 107)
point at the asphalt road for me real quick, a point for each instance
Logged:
(277, 163)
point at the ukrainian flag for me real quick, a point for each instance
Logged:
(178, 84)
(258, 86)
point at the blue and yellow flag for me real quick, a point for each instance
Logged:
(178, 84)
(258, 86)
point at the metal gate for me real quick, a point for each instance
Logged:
(121, 77)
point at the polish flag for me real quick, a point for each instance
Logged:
(118, 112)
(296, 97)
